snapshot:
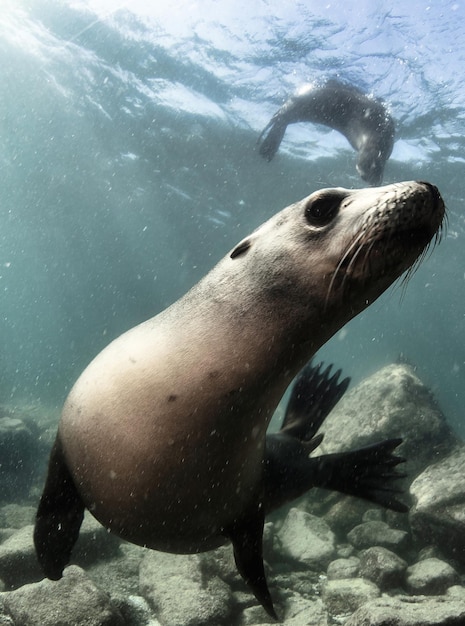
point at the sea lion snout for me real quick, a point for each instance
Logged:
(434, 191)
(399, 206)
(421, 212)
(390, 228)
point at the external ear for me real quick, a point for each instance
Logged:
(241, 248)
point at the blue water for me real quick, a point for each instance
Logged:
(129, 166)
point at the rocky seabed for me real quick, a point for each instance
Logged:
(330, 559)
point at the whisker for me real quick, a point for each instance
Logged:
(341, 262)
(366, 260)
(352, 264)
(352, 256)
(424, 254)
(444, 226)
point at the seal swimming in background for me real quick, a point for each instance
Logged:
(163, 437)
(363, 120)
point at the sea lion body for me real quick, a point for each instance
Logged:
(163, 437)
(363, 120)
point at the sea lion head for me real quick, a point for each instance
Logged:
(374, 149)
(376, 234)
(370, 165)
(326, 258)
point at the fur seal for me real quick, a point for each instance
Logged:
(163, 436)
(363, 120)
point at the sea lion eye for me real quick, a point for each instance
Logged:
(321, 210)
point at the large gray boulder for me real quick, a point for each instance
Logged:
(18, 560)
(410, 611)
(180, 594)
(72, 600)
(373, 533)
(438, 514)
(308, 539)
(343, 596)
(18, 454)
(343, 568)
(431, 577)
(383, 567)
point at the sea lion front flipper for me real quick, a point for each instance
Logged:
(59, 517)
(271, 136)
(247, 536)
(313, 396)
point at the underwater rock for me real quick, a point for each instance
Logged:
(14, 515)
(304, 612)
(457, 592)
(344, 550)
(382, 567)
(344, 596)
(255, 615)
(18, 560)
(369, 534)
(307, 539)
(344, 514)
(393, 402)
(135, 611)
(438, 515)
(179, 593)
(72, 600)
(5, 620)
(119, 575)
(430, 551)
(206, 588)
(220, 562)
(94, 544)
(18, 451)
(410, 611)
(299, 603)
(431, 577)
(374, 515)
(343, 568)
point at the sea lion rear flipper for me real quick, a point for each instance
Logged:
(289, 472)
(246, 537)
(368, 473)
(59, 517)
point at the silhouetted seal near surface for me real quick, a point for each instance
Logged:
(363, 120)
(163, 436)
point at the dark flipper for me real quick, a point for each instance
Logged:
(314, 395)
(246, 537)
(273, 134)
(59, 517)
(368, 473)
